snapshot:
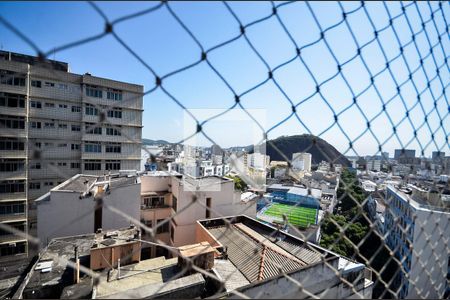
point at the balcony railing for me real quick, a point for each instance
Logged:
(143, 206)
(13, 217)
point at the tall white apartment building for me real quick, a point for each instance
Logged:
(418, 232)
(55, 124)
(301, 161)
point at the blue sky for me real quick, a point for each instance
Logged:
(165, 46)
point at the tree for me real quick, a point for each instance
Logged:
(239, 184)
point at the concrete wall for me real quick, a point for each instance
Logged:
(64, 215)
(127, 199)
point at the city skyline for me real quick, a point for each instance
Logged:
(195, 87)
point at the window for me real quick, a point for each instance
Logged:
(75, 165)
(93, 91)
(11, 165)
(162, 228)
(62, 86)
(34, 124)
(115, 113)
(48, 144)
(12, 122)
(62, 106)
(91, 110)
(76, 108)
(18, 226)
(208, 208)
(35, 165)
(62, 126)
(113, 148)
(35, 104)
(12, 208)
(112, 165)
(75, 146)
(34, 185)
(12, 186)
(93, 147)
(90, 129)
(62, 145)
(174, 203)
(62, 164)
(76, 128)
(49, 104)
(12, 78)
(36, 83)
(12, 100)
(49, 84)
(7, 249)
(49, 125)
(114, 95)
(11, 144)
(92, 165)
(48, 183)
(112, 131)
(37, 145)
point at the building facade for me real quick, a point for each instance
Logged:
(418, 235)
(168, 206)
(55, 124)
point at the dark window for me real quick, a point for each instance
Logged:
(90, 129)
(174, 203)
(92, 165)
(75, 165)
(35, 104)
(11, 165)
(115, 113)
(11, 144)
(36, 83)
(113, 148)
(34, 124)
(12, 100)
(12, 122)
(162, 228)
(93, 91)
(76, 128)
(12, 208)
(75, 147)
(8, 249)
(34, 185)
(12, 186)
(35, 166)
(76, 108)
(114, 95)
(49, 104)
(112, 131)
(91, 110)
(12, 78)
(208, 208)
(112, 165)
(95, 147)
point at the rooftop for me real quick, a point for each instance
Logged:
(81, 183)
(51, 273)
(259, 251)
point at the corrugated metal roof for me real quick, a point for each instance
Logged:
(255, 260)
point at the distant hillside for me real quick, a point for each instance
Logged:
(319, 149)
(150, 142)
